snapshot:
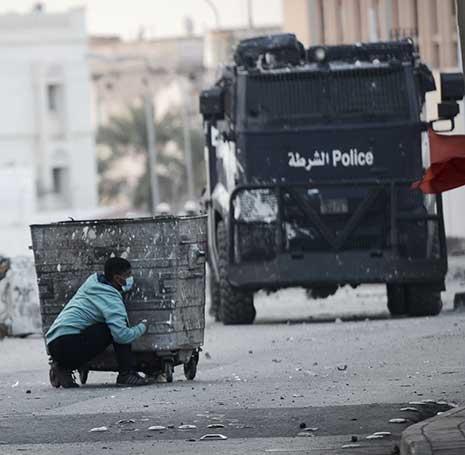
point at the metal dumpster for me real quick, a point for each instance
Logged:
(167, 255)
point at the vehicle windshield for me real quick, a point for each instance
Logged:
(368, 94)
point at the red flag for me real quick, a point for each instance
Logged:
(447, 170)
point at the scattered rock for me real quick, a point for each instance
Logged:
(213, 437)
(398, 420)
(156, 428)
(98, 430)
(28, 391)
(216, 425)
(187, 427)
(354, 438)
(305, 434)
(374, 436)
(383, 433)
(302, 425)
(342, 367)
(276, 361)
(351, 446)
(409, 409)
(125, 421)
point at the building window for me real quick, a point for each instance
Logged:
(59, 180)
(54, 95)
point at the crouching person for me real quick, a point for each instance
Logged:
(92, 320)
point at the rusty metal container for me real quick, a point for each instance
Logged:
(167, 255)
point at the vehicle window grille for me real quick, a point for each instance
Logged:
(357, 93)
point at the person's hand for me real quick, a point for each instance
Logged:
(146, 324)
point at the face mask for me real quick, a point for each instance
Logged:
(128, 285)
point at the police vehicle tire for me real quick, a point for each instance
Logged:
(423, 301)
(236, 305)
(396, 299)
(83, 376)
(215, 297)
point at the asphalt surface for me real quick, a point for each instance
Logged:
(339, 366)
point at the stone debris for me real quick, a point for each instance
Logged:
(416, 403)
(213, 437)
(216, 425)
(351, 446)
(342, 367)
(374, 436)
(156, 428)
(125, 421)
(398, 420)
(408, 409)
(305, 434)
(382, 433)
(16, 384)
(311, 429)
(187, 427)
(98, 430)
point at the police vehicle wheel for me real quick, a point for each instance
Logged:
(396, 299)
(190, 368)
(236, 305)
(169, 371)
(215, 298)
(83, 376)
(53, 378)
(423, 301)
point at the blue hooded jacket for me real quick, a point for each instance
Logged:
(96, 301)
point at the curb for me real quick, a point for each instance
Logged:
(440, 434)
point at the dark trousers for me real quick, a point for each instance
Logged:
(73, 351)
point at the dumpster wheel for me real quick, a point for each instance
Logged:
(190, 368)
(168, 370)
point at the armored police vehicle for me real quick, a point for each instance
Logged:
(311, 154)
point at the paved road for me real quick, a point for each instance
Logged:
(339, 365)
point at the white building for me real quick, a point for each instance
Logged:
(47, 152)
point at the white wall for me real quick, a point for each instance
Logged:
(37, 50)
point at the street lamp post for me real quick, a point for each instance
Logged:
(187, 140)
(215, 12)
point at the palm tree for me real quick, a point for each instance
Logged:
(127, 135)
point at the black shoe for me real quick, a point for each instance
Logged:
(64, 378)
(131, 378)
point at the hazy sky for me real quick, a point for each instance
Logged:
(160, 17)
